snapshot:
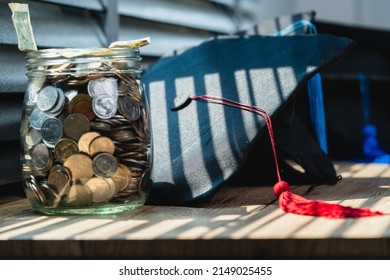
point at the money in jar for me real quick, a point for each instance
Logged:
(85, 131)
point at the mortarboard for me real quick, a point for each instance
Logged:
(199, 146)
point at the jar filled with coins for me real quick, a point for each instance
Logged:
(85, 132)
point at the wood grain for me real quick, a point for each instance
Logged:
(237, 222)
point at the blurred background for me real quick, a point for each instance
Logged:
(372, 14)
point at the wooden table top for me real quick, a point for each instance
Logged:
(237, 222)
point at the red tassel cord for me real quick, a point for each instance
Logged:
(288, 201)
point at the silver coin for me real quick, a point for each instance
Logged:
(103, 86)
(51, 130)
(52, 197)
(59, 180)
(104, 106)
(57, 109)
(34, 85)
(104, 165)
(33, 137)
(37, 118)
(35, 194)
(41, 158)
(129, 108)
(47, 98)
(70, 94)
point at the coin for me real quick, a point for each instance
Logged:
(57, 109)
(59, 180)
(85, 108)
(123, 136)
(79, 195)
(104, 106)
(103, 86)
(124, 88)
(81, 97)
(101, 144)
(80, 166)
(111, 122)
(104, 165)
(102, 190)
(34, 85)
(77, 82)
(112, 187)
(129, 109)
(52, 198)
(41, 158)
(122, 177)
(47, 98)
(51, 130)
(32, 137)
(64, 148)
(85, 140)
(100, 126)
(35, 194)
(76, 125)
(69, 95)
(37, 118)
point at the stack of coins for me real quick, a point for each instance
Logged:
(86, 138)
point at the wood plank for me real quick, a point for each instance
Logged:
(241, 222)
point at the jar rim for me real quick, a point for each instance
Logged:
(82, 52)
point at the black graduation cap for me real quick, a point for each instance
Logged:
(199, 146)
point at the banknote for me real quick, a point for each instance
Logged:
(22, 23)
(134, 44)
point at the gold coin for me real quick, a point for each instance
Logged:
(122, 177)
(85, 140)
(102, 190)
(76, 125)
(64, 148)
(80, 166)
(101, 144)
(112, 187)
(79, 195)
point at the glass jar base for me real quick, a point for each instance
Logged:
(91, 210)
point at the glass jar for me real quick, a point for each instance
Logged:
(85, 132)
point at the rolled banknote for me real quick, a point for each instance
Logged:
(134, 44)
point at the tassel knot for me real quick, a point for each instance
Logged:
(281, 187)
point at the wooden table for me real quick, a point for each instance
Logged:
(238, 222)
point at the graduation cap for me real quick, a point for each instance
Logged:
(199, 145)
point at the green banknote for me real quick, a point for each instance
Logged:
(21, 20)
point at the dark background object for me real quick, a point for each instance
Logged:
(343, 104)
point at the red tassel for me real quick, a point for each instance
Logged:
(289, 202)
(293, 203)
